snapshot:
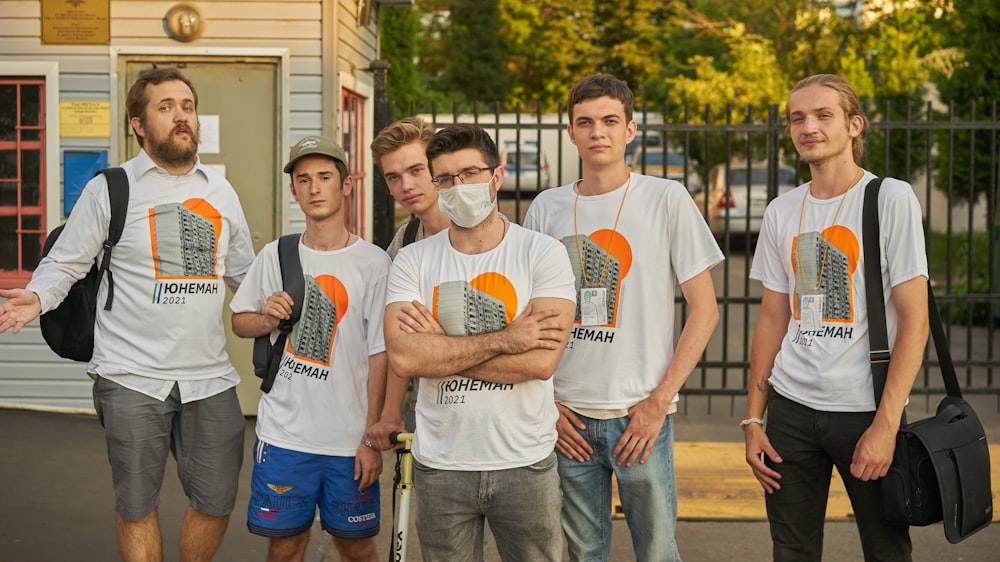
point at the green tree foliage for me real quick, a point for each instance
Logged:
(399, 27)
(972, 92)
(743, 54)
(551, 45)
(477, 52)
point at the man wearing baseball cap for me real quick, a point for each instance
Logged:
(330, 386)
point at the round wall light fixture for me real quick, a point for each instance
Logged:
(184, 22)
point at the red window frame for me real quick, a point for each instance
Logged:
(22, 221)
(352, 127)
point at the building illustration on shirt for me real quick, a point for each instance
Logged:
(184, 242)
(589, 258)
(835, 284)
(463, 310)
(312, 338)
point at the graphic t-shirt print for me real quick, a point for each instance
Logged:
(601, 259)
(480, 306)
(485, 304)
(824, 264)
(309, 350)
(184, 239)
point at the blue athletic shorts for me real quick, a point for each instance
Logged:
(287, 486)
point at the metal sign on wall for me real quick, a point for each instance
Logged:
(76, 22)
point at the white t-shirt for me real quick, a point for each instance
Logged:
(661, 240)
(319, 401)
(463, 423)
(825, 365)
(185, 239)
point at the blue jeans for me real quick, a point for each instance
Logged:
(521, 505)
(811, 443)
(648, 493)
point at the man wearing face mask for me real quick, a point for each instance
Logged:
(481, 313)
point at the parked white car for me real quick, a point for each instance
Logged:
(728, 201)
(524, 166)
(653, 161)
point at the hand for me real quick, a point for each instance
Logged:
(645, 423)
(278, 307)
(534, 330)
(415, 318)
(380, 432)
(571, 443)
(757, 445)
(367, 466)
(873, 453)
(22, 306)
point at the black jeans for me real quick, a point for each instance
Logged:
(811, 443)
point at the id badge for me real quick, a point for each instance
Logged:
(593, 306)
(811, 313)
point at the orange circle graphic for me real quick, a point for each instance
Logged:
(616, 245)
(498, 286)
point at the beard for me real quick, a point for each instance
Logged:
(173, 150)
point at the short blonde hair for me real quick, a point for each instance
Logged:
(400, 134)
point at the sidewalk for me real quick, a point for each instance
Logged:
(58, 503)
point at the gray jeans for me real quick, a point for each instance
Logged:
(522, 506)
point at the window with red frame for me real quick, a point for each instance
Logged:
(352, 126)
(22, 178)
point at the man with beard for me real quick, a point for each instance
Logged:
(162, 379)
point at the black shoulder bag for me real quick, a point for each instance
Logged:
(941, 467)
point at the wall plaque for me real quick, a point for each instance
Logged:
(87, 119)
(76, 22)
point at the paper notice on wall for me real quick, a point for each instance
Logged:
(209, 125)
(221, 168)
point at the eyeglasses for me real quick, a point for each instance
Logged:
(447, 180)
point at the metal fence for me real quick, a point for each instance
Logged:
(734, 161)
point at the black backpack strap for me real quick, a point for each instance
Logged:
(293, 283)
(117, 181)
(410, 234)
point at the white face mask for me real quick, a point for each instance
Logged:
(466, 204)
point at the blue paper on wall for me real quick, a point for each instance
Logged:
(79, 166)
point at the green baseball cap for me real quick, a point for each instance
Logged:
(314, 145)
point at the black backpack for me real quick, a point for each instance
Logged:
(69, 328)
(410, 234)
(267, 356)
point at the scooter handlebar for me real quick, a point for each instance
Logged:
(400, 437)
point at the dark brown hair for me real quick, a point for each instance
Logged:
(461, 136)
(597, 86)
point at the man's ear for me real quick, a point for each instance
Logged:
(857, 124)
(348, 186)
(569, 131)
(497, 182)
(291, 187)
(136, 123)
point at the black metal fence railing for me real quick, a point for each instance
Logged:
(734, 162)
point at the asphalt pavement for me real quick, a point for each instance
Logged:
(58, 505)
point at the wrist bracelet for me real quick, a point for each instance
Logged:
(367, 443)
(749, 421)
